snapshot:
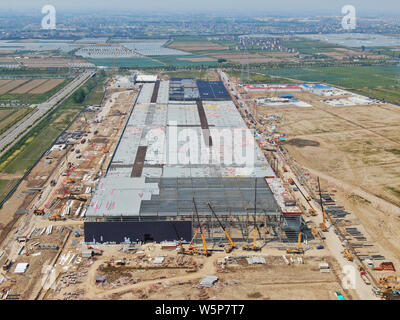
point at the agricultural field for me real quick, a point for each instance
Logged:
(259, 57)
(126, 62)
(12, 85)
(26, 152)
(186, 61)
(306, 46)
(28, 86)
(380, 82)
(8, 116)
(197, 46)
(48, 62)
(255, 77)
(30, 91)
(350, 76)
(209, 74)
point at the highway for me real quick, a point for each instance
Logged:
(10, 137)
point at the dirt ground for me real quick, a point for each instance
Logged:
(355, 150)
(105, 127)
(171, 279)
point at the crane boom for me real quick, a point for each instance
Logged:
(299, 241)
(323, 225)
(203, 238)
(232, 244)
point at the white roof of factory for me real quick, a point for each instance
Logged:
(146, 78)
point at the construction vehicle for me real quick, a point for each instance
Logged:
(298, 250)
(232, 244)
(205, 251)
(292, 182)
(387, 266)
(191, 250)
(254, 245)
(58, 217)
(69, 180)
(323, 224)
(312, 212)
(7, 265)
(348, 255)
(363, 275)
(389, 282)
(339, 296)
(39, 212)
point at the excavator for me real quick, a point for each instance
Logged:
(232, 244)
(205, 251)
(298, 250)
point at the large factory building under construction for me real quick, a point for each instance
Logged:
(175, 161)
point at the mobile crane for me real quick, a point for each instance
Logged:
(190, 251)
(232, 244)
(292, 182)
(254, 245)
(298, 250)
(58, 217)
(323, 224)
(205, 251)
(348, 255)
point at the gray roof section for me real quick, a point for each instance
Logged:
(167, 185)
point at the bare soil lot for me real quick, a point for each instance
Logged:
(356, 150)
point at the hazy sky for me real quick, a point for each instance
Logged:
(263, 7)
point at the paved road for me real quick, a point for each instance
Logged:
(10, 137)
(332, 241)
